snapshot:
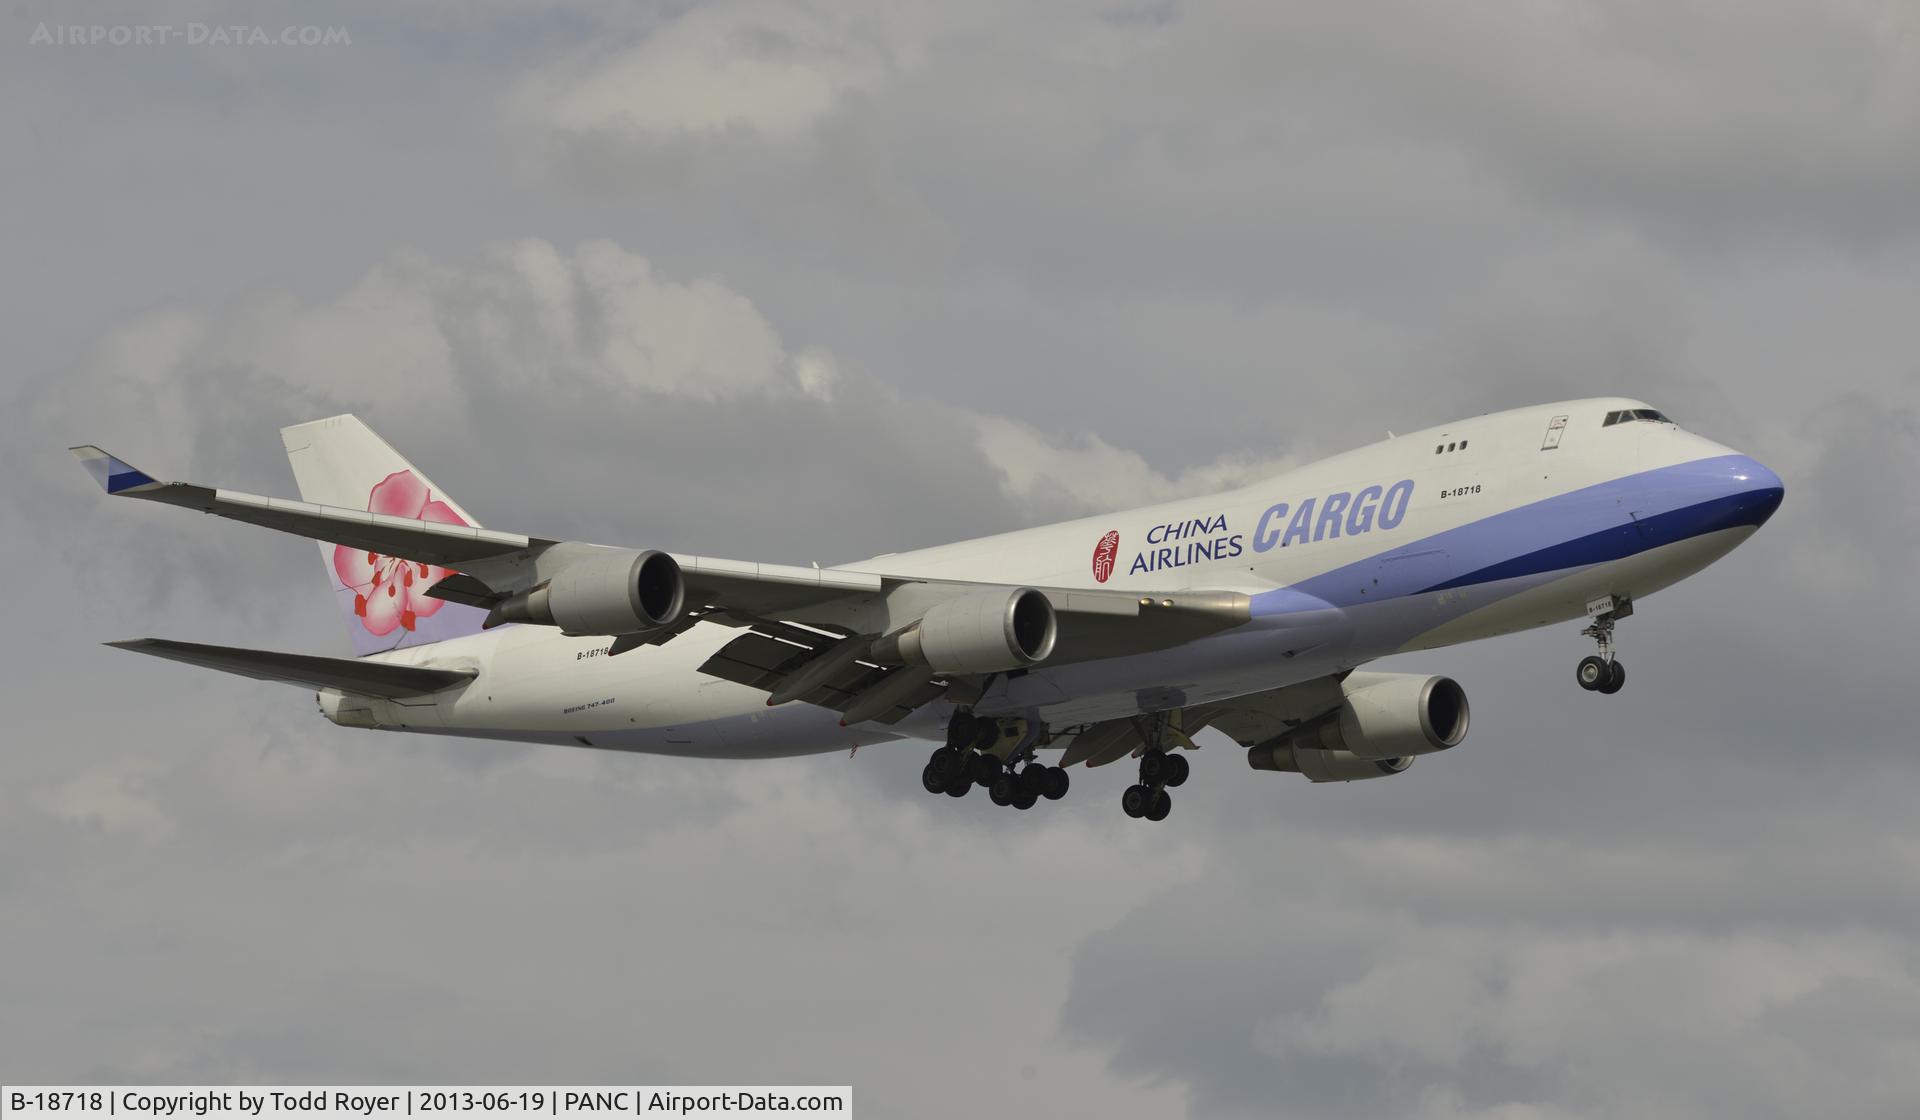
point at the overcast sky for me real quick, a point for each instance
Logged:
(806, 282)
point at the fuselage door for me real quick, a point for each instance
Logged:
(1555, 428)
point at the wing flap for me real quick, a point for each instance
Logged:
(1111, 740)
(367, 678)
(772, 652)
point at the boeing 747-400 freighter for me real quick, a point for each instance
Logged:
(1106, 638)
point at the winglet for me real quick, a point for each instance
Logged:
(113, 475)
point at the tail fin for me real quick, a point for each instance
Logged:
(340, 462)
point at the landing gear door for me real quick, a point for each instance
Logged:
(1555, 428)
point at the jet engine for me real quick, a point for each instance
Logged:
(1385, 720)
(615, 592)
(979, 632)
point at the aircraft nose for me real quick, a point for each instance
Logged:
(1754, 491)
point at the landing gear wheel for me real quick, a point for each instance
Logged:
(960, 786)
(1002, 790)
(1603, 674)
(984, 769)
(1025, 799)
(1162, 805)
(1056, 784)
(1175, 770)
(944, 762)
(1136, 801)
(931, 780)
(1153, 768)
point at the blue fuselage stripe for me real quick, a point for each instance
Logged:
(1621, 541)
(1608, 521)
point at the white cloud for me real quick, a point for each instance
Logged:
(595, 328)
(772, 69)
(597, 320)
(817, 373)
(1088, 472)
(114, 798)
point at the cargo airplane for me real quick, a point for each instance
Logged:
(1114, 637)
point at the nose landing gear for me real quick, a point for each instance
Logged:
(1603, 673)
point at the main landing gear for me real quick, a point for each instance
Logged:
(1603, 673)
(1159, 769)
(966, 761)
(997, 755)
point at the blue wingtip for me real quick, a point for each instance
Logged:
(114, 475)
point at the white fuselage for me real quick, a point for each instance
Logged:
(1403, 544)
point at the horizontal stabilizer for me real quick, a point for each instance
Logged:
(367, 678)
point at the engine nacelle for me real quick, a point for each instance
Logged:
(982, 632)
(1385, 720)
(1319, 765)
(616, 592)
(1396, 715)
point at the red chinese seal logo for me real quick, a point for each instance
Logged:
(1104, 555)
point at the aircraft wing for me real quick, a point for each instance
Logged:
(429, 542)
(501, 570)
(747, 586)
(347, 674)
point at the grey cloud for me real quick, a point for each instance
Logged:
(1012, 268)
(1293, 981)
(1354, 195)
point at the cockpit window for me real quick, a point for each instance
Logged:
(1628, 415)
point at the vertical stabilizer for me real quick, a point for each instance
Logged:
(340, 462)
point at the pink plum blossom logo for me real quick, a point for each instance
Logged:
(389, 592)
